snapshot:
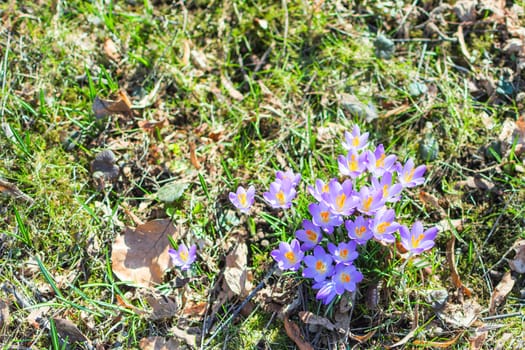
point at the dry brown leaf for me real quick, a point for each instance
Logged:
(190, 339)
(152, 125)
(163, 306)
(140, 255)
(36, 315)
(518, 263)
(110, 49)
(186, 46)
(456, 280)
(404, 340)
(500, 292)
(199, 60)
(503, 341)
(362, 338)
(477, 341)
(13, 191)
(313, 319)
(432, 202)
(104, 108)
(294, 333)
(447, 225)
(437, 344)
(4, 315)
(123, 303)
(398, 110)
(195, 309)
(236, 271)
(232, 91)
(158, 343)
(460, 315)
(193, 156)
(68, 330)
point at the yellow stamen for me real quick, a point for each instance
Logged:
(385, 191)
(409, 176)
(325, 216)
(345, 278)
(290, 256)
(367, 204)
(325, 188)
(353, 164)
(242, 199)
(183, 256)
(381, 161)
(355, 141)
(340, 201)
(360, 230)
(280, 197)
(320, 266)
(381, 228)
(344, 253)
(417, 241)
(312, 236)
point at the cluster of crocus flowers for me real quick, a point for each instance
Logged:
(347, 213)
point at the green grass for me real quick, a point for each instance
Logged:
(56, 252)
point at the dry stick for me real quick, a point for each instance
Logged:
(239, 308)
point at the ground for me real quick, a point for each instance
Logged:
(126, 124)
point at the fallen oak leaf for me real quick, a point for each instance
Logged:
(476, 342)
(104, 108)
(158, 343)
(110, 49)
(190, 339)
(68, 330)
(313, 319)
(294, 333)
(162, 306)
(140, 255)
(236, 271)
(518, 263)
(500, 292)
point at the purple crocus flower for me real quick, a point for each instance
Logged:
(390, 191)
(344, 252)
(346, 277)
(243, 199)
(183, 257)
(310, 235)
(281, 194)
(288, 175)
(288, 256)
(326, 291)
(319, 265)
(323, 217)
(416, 240)
(340, 197)
(370, 200)
(353, 164)
(378, 162)
(358, 230)
(409, 176)
(319, 188)
(355, 140)
(383, 225)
